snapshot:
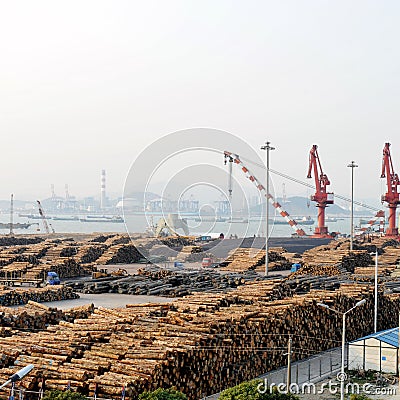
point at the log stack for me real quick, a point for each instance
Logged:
(89, 253)
(245, 259)
(191, 254)
(201, 343)
(17, 296)
(120, 254)
(155, 281)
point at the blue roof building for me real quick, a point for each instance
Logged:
(377, 352)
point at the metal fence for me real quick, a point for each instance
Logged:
(312, 369)
(23, 394)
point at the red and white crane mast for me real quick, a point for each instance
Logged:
(321, 196)
(234, 158)
(391, 197)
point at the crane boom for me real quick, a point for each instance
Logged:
(391, 197)
(44, 220)
(236, 159)
(321, 196)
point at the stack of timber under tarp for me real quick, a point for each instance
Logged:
(201, 344)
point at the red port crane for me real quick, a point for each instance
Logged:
(391, 196)
(321, 196)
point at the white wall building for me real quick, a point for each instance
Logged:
(377, 352)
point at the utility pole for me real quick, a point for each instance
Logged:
(289, 365)
(343, 314)
(352, 165)
(268, 148)
(12, 215)
(376, 293)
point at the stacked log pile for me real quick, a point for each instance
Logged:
(34, 317)
(201, 344)
(155, 281)
(19, 241)
(101, 238)
(67, 257)
(278, 260)
(390, 256)
(318, 270)
(89, 253)
(120, 254)
(370, 271)
(16, 296)
(245, 259)
(302, 284)
(191, 254)
(178, 241)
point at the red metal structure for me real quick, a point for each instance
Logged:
(321, 196)
(379, 215)
(232, 157)
(391, 196)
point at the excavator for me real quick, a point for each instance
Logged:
(170, 225)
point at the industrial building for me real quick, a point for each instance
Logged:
(377, 352)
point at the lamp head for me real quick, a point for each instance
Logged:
(361, 302)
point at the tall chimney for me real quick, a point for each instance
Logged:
(103, 189)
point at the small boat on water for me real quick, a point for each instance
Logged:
(30, 216)
(101, 216)
(331, 219)
(114, 219)
(207, 219)
(17, 225)
(302, 221)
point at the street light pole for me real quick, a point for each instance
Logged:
(268, 148)
(352, 165)
(376, 290)
(343, 314)
(376, 293)
(289, 366)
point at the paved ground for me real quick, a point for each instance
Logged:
(108, 300)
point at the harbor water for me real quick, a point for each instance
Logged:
(139, 223)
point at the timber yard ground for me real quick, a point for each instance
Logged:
(177, 326)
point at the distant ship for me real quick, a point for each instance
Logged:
(66, 218)
(331, 219)
(303, 221)
(114, 219)
(208, 219)
(30, 216)
(15, 226)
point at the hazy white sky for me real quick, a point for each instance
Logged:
(86, 85)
